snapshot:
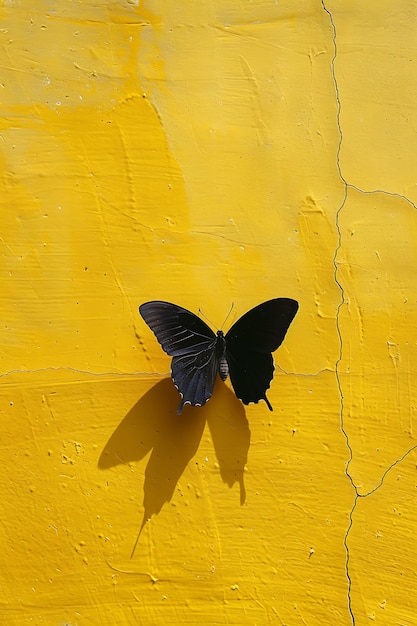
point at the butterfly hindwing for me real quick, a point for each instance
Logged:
(191, 343)
(194, 376)
(251, 374)
(249, 344)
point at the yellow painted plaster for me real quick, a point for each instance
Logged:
(207, 153)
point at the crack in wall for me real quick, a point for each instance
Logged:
(238, 242)
(392, 194)
(338, 310)
(80, 371)
(75, 370)
(338, 247)
(304, 374)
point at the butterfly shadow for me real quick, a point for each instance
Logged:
(152, 425)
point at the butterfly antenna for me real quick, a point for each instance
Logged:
(200, 312)
(227, 316)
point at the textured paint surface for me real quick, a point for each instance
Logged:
(208, 153)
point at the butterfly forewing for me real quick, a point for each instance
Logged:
(263, 328)
(249, 344)
(178, 331)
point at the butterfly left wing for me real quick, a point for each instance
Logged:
(249, 344)
(191, 343)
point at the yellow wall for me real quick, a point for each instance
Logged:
(208, 153)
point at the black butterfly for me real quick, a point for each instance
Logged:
(198, 354)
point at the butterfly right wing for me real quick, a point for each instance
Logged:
(191, 343)
(250, 343)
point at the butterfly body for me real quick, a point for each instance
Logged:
(199, 355)
(221, 347)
